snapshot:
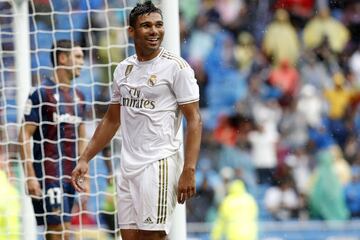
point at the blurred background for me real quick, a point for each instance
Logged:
(280, 91)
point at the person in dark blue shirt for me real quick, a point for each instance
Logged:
(53, 119)
(352, 192)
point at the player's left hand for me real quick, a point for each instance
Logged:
(186, 186)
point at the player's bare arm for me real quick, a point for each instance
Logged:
(26, 132)
(82, 141)
(186, 187)
(102, 136)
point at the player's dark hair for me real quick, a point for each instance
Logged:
(61, 46)
(142, 9)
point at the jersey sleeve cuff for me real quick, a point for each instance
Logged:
(188, 101)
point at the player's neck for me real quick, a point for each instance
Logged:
(144, 56)
(60, 77)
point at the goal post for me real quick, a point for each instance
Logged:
(22, 54)
(23, 83)
(172, 42)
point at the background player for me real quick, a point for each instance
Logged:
(151, 91)
(53, 117)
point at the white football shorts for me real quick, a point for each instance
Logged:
(147, 201)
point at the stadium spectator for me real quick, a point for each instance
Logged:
(341, 166)
(354, 65)
(227, 175)
(10, 227)
(314, 71)
(350, 18)
(199, 208)
(109, 209)
(263, 139)
(214, 182)
(338, 98)
(200, 40)
(300, 10)
(196, 47)
(282, 200)
(325, 196)
(245, 52)
(238, 158)
(300, 166)
(310, 105)
(233, 15)
(293, 126)
(151, 91)
(53, 118)
(352, 192)
(324, 26)
(319, 137)
(226, 85)
(237, 215)
(280, 41)
(286, 78)
(10, 208)
(189, 10)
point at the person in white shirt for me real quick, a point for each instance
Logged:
(151, 91)
(282, 201)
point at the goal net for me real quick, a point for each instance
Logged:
(100, 26)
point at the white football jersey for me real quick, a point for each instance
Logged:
(149, 94)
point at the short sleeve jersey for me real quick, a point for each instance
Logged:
(57, 113)
(150, 93)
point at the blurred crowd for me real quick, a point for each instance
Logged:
(280, 87)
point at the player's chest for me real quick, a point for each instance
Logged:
(146, 83)
(61, 107)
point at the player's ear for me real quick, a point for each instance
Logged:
(62, 58)
(131, 31)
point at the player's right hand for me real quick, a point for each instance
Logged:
(33, 188)
(78, 178)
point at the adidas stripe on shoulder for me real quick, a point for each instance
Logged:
(178, 60)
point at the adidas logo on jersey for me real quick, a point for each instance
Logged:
(148, 221)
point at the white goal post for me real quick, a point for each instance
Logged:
(172, 42)
(23, 69)
(23, 83)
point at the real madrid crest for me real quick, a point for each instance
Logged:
(152, 80)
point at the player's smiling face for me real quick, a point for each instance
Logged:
(72, 62)
(77, 60)
(148, 34)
